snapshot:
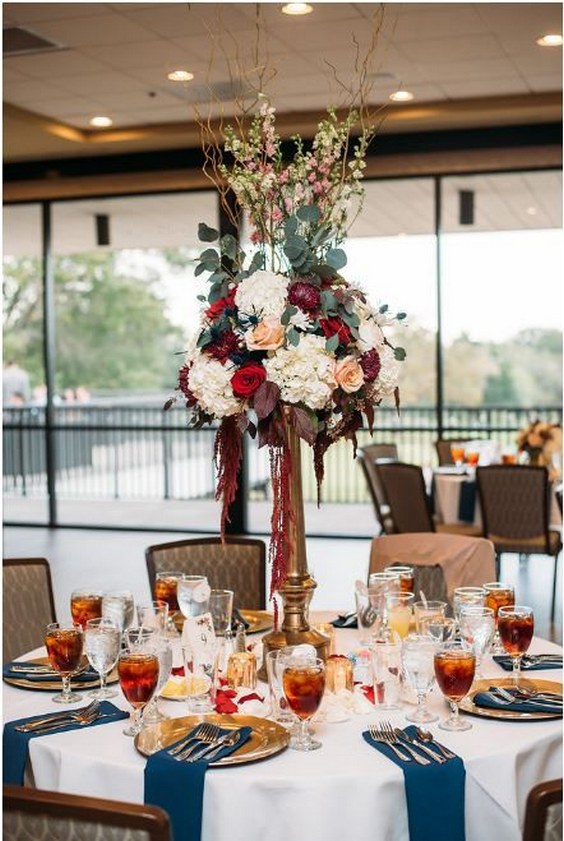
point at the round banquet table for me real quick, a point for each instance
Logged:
(345, 789)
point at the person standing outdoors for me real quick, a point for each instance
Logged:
(15, 384)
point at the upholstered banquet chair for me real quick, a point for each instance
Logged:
(465, 561)
(403, 486)
(239, 565)
(543, 813)
(367, 458)
(515, 503)
(50, 816)
(28, 605)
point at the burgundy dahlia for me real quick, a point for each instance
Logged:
(306, 296)
(370, 364)
(225, 346)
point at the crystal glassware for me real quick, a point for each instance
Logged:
(477, 626)
(102, 639)
(119, 608)
(386, 673)
(163, 650)
(369, 603)
(498, 595)
(165, 588)
(200, 675)
(138, 677)
(428, 610)
(153, 615)
(399, 612)
(455, 665)
(304, 685)
(221, 609)
(279, 709)
(418, 667)
(65, 643)
(440, 628)
(193, 592)
(516, 625)
(475, 596)
(406, 577)
(85, 605)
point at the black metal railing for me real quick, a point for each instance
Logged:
(106, 452)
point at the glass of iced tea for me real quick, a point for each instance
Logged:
(166, 585)
(138, 672)
(406, 577)
(455, 664)
(64, 643)
(304, 683)
(86, 605)
(516, 626)
(498, 595)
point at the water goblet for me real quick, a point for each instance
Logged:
(153, 615)
(85, 605)
(303, 682)
(516, 625)
(102, 639)
(399, 612)
(64, 642)
(440, 628)
(193, 592)
(455, 665)
(418, 666)
(477, 626)
(498, 595)
(475, 596)
(163, 650)
(221, 609)
(118, 606)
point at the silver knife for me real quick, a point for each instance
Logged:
(203, 752)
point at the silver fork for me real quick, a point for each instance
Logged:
(81, 718)
(390, 733)
(199, 734)
(58, 718)
(224, 741)
(402, 736)
(209, 736)
(503, 697)
(379, 736)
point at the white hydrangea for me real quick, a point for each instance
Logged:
(262, 293)
(191, 348)
(388, 377)
(210, 382)
(304, 374)
(370, 335)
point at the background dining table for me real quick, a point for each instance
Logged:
(345, 789)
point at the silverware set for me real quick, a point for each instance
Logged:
(205, 742)
(408, 748)
(82, 716)
(542, 700)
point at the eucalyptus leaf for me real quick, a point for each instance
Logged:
(202, 297)
(399, 353)
(209, 254)
(336, 258)
(207, 234)
(293, 336)
(323, 270)
(309, 213)
(328, 300)
(332, 343)
(204, 339)
(384, 308)
(401, 315)
(218, 276)
(290, 226)
(215, 293)
(257, 263)
(228, 245)
(321, 235)
(200, 269)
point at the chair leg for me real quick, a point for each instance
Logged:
(552, 609)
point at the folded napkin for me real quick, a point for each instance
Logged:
(481, 699)
(467, 502)
(348, 621)
(39, 677)
(528, 665)
(434, 794)
(178, 787)
(15, 744)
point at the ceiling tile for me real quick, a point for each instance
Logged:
(517, 18)
(132, 100)
(112, 81)
(32, 90)
(443, 50)
(544, 82)
(183, 19)
(450, 19)
(487, 68)
(141, 54)
(31, 12)
(48, 65)
(483, 87)
(94, 31)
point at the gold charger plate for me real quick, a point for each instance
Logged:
(267, 737)
(468, 705)
(55, 685)
(257, 620)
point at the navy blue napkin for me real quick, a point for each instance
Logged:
(434, 793)
(467, 502)
(485, 701)
(349, 621)
(15, 744)
(37, 677)
(506, 663)
(178, 787)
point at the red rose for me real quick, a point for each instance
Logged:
(215, 309)
(336, 325)
(247, 379)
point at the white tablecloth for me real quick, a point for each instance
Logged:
(343, 790)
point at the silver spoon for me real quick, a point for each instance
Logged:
(425, 736)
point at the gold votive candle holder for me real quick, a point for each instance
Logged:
(338, 673)
(242, 670)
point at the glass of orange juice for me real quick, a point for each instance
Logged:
(399, 607)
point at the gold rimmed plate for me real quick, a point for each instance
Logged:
(54, 685)
(468, 705)
(267, 737)
(257, 620)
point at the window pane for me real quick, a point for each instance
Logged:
(25, 485)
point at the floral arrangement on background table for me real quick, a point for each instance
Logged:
(542, 441)
(285, 344)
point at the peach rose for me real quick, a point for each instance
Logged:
(349, 374)
(267, 335)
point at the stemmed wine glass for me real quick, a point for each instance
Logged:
(163, 649)
(516, 625)
(304, 684)
(153, 615)
(138, 671)
(102, 640)
(477, 626)
(193, 593)
(417, 664)
(467, 596)
(64, 643)
(118, 606)
(455, 665)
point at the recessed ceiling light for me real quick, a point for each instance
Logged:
(180, 76)
(532, 211)
(297, 9)
(402, 96)
(550, 40)
(101, 122)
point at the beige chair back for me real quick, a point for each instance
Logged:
(238, 565)
(28, 605)
(465, 561)
(50, 816)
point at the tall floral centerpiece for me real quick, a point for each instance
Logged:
(287, 350)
